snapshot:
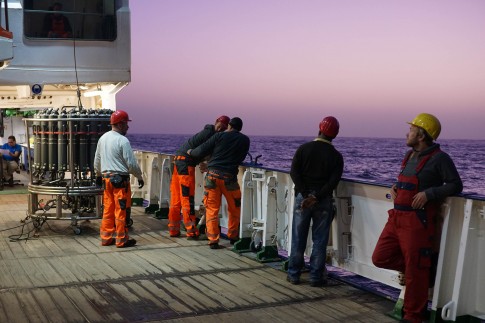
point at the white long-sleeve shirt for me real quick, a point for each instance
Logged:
(114, 154)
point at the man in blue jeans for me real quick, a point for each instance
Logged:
(316, 170)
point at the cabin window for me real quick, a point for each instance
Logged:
(71, 19)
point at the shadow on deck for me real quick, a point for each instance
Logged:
(21, 181)
(57, 276)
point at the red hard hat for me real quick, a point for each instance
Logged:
(119, 116)
(329, 127)
(224, 120)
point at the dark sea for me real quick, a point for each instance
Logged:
(374, 160)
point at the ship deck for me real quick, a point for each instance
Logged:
(58, 276)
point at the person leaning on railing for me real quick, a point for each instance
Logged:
(182, 184)
(227, 151)
(410, 239)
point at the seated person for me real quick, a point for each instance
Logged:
(57, 25)
(11, 159)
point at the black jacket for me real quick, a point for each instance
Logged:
(227, 151)
(195, 141)
(316, 168)
(439, 177)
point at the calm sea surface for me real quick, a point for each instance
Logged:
(370, 159)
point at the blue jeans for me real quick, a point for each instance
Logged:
(322, 216)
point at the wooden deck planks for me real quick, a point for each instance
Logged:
(155, 288)
(63, 277)
(152, 306)
(198, 299)
(157, 260)
(207, 289)
(13, 275)
(66, 308)
(83, 304)
(13, 311)
(39, 271)
(46, 305)
(189, 300)
(71, 269)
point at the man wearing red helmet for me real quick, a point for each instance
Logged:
(316, 170)
(227, 150)
(182, 186)
(114, 161)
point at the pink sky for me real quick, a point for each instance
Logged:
(283, 65)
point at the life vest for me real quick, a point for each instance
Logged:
(408, 187)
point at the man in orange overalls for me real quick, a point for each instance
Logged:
(227, 151)
(182, 186)
(114, 161)
(427, 177)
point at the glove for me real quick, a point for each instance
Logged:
(203, 167)
(308, 202)
(141, 183)
(99, 181)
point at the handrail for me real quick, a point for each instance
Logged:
(5, 2)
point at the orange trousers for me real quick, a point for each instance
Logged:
(116, 205)
(215, 187)
(182, 191)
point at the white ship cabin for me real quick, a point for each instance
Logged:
(63, 53)
(6, 43)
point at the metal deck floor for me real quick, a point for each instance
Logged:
(62, 277)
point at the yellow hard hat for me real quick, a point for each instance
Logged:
(429, 123)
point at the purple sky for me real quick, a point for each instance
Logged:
(283, 65)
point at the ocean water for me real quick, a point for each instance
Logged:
(375, 160)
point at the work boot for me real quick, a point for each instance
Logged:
(293, 281)
(10, 182)
(176, 235)
(233, 241)
(108, 243)
(193, 238)
(401, 279)
(129, 243)
(319, 283)
(214, 246)
(201, 228)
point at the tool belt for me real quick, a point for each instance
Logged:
(220, 174)
(109, 175)
(117, 180)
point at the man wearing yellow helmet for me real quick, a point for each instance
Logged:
(409, 239)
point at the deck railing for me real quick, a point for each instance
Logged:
(266, 217)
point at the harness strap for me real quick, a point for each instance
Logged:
(422, 162)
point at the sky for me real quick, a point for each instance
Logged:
(282, 65)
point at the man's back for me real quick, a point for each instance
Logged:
(114, 153)
(228, 149)
(196, 140)
(316, 166)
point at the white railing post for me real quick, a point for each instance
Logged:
(449, 311)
